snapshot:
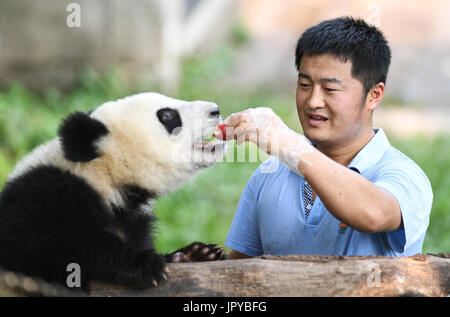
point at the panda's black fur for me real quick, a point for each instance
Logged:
(78, 134)
(50, 218)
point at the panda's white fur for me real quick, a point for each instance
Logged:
(139, 150)
(84, 196)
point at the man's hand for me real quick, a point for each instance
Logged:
(264, 128)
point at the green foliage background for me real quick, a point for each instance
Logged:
(203, 209)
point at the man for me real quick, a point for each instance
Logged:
(342, 190)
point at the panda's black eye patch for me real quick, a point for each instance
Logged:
(170, 118)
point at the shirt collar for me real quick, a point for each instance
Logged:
(371, 153)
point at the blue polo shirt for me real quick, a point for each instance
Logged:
(270, 216)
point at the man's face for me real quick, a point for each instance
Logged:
(330, 101)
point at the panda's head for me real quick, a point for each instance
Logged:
(148, 140)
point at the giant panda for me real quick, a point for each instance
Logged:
(86, 196)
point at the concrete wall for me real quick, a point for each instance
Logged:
(144, 38)
(38, 48)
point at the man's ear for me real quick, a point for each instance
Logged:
(78, 133)
(375, 96)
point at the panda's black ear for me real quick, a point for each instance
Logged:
(77, 134)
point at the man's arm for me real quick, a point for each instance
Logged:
(349, 196)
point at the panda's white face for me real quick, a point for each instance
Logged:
(148, 140)
(155, 141)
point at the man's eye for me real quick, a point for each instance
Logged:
(303, 85)
(330, 89)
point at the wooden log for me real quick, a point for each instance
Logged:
(420, 275)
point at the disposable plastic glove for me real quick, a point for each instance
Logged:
(264, 128)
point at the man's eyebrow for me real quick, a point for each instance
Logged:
(303, 75)
(327, 80)
(332, 80)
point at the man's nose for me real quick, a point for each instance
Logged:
(315, 100)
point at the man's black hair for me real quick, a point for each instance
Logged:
(350, 39)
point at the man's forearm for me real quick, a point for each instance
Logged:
(349, 196)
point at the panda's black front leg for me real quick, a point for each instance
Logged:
(147, 269)
(196, 252)
(109, 259)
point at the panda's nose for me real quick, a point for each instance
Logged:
(215, 112)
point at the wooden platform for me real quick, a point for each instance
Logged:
(420, 275)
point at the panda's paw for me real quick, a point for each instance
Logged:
(197, 252)
(154, 269)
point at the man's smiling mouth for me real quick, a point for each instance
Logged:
(316, 120)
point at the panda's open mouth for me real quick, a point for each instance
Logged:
(208, 144)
